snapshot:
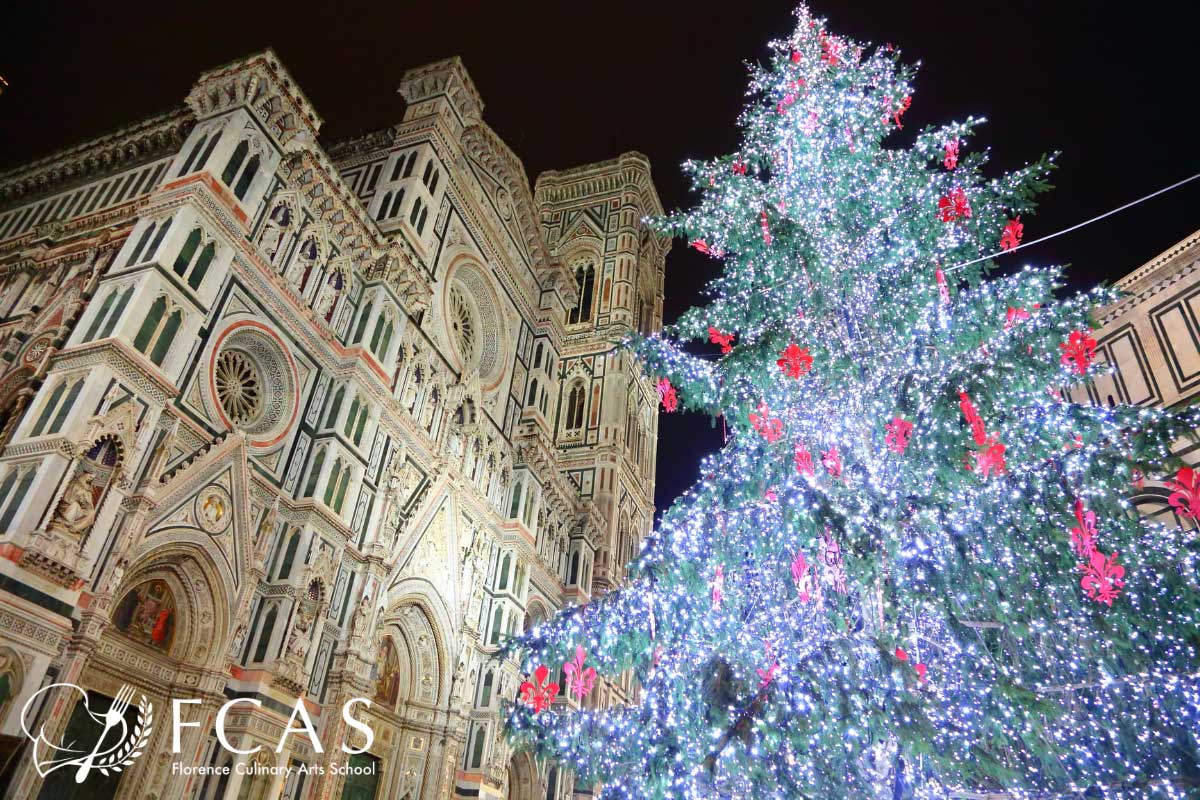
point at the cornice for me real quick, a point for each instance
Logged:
(262, 84)
(115, 152)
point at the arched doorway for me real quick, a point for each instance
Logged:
(410, 689)
(522, 778)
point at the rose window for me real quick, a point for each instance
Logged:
(462, 324)
(239, 386)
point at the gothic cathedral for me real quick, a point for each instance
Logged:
(291, 424)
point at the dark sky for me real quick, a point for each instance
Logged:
(1113, 86)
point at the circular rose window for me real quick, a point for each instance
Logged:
(253, 383)
(462, 324)
(239, 387)
(475, 324)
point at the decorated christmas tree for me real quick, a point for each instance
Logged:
(912, 571)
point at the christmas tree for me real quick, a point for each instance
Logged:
(912, 571)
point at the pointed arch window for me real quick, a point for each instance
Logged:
(502, 584)
(485, 693)
(497, 625)
(12, 493)
(264, 635)
(361, 329)
(314, 474)
(289, 557)
(352, 417)
(101, 315)
(477, 750)
(585, 280)
(335, 407)
(531, 398)
(190, 161)
(386, 341)
(412, 162)
(57, 407)
(158, 331)
(192, 264)
(331, 484)
(142, 241)
(574, 418)
(235, 162)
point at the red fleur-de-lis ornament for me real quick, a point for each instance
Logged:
(950, 153)
(1185, 492)
(539, 695)
(1078, 351)
(954, 206)
(831, 459)
(1103, 578)
(580, 680)
(770, 428)
(725, 340)
(795, 361)
(1010, 239)
(1083, 536)
(803, 459)
(667, 394)
(899, 434)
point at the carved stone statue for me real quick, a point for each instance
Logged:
(239, 639)
(77, 509)
(269, 243)
(362, 617)
(291, 672)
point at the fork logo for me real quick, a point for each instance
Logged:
(110, 747)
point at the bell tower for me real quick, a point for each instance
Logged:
(607, 422)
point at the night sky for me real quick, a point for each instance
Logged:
(1112, 86)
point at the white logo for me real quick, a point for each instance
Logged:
(125, 742)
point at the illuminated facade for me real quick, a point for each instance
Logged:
(286, 421)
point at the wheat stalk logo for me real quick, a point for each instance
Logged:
(106, 759)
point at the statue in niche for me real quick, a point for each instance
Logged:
(362, 617)
(273, 232)
(77, 509)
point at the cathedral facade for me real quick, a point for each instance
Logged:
(288, 425)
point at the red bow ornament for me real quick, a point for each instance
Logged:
(990, 460)
(971, 415)
(943, 286)
(718, 587)
(832, 461)
(702, 246)
(802, 576)
(1013, 316)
